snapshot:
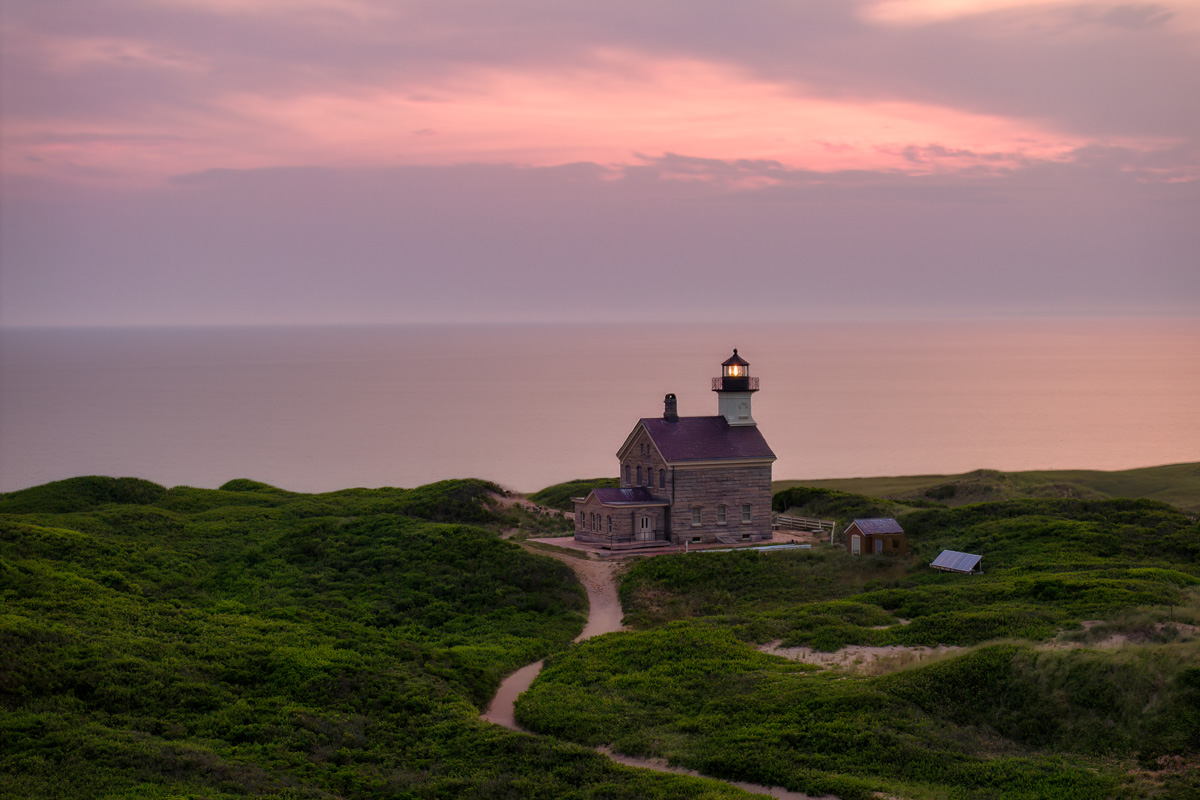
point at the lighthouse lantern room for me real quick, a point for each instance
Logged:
(734, 388)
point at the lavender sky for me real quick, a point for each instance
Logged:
(328, 161)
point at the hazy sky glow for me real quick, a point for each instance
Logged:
(229, 161)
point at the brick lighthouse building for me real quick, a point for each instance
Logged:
(701, 480)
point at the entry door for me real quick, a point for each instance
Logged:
(855, 545)
(644, 530)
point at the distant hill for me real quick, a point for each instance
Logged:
(559, 495)
(1177, 484)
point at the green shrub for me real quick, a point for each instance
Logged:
(559, 495)
(80, 494)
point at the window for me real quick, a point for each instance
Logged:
(639, 483)
(593, 521)
(696, 515)
(662, 479)
(721, 515)
(745, 512)
(579, 519)
(610, 523)
(627, 474)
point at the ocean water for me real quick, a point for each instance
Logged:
(317, 409)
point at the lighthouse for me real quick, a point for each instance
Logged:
(687, 480)
(734, 388)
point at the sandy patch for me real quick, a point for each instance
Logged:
(878, 660)
(860, 657)
(514, 499)
(1119, 638)
(661, 765)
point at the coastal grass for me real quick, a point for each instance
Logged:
(1176, 484)
(254, 642)
(1002, 721)
(1007, 717)
(1049, 565)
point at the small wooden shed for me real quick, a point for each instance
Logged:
(876, 536)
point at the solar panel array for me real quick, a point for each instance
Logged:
(956, 561)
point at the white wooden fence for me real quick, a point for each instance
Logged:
(805, 524)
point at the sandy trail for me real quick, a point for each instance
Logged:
(599, 578)
(661, 765)
(604, 616)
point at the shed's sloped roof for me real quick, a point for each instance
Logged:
(878, 525)
(633, 496)
(705, 439)
(954, 561)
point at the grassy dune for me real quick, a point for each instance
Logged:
(253, 642)
(1177, 484)
(1004, 718)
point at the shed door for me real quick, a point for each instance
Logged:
(855, 544)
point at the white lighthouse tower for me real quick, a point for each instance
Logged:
(734, 388)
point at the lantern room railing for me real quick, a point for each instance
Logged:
(743, 384)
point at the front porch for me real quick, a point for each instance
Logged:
(614, 541)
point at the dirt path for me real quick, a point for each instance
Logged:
(604, 616)
(661, 765)
(599, 578)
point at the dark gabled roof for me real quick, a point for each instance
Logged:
(633, 496)
(878, 525)
(706, 439)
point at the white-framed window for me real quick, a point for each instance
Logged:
(696, 515)
(721, 515)
(745, 512)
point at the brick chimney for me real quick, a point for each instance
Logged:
(670, 414)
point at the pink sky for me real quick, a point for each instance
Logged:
(932, 156)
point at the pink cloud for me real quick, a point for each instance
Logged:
(605, 110)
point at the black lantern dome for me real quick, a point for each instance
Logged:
(735, 376)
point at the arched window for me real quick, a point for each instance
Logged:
(639, 483)
(662, 479)
(627, 468)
